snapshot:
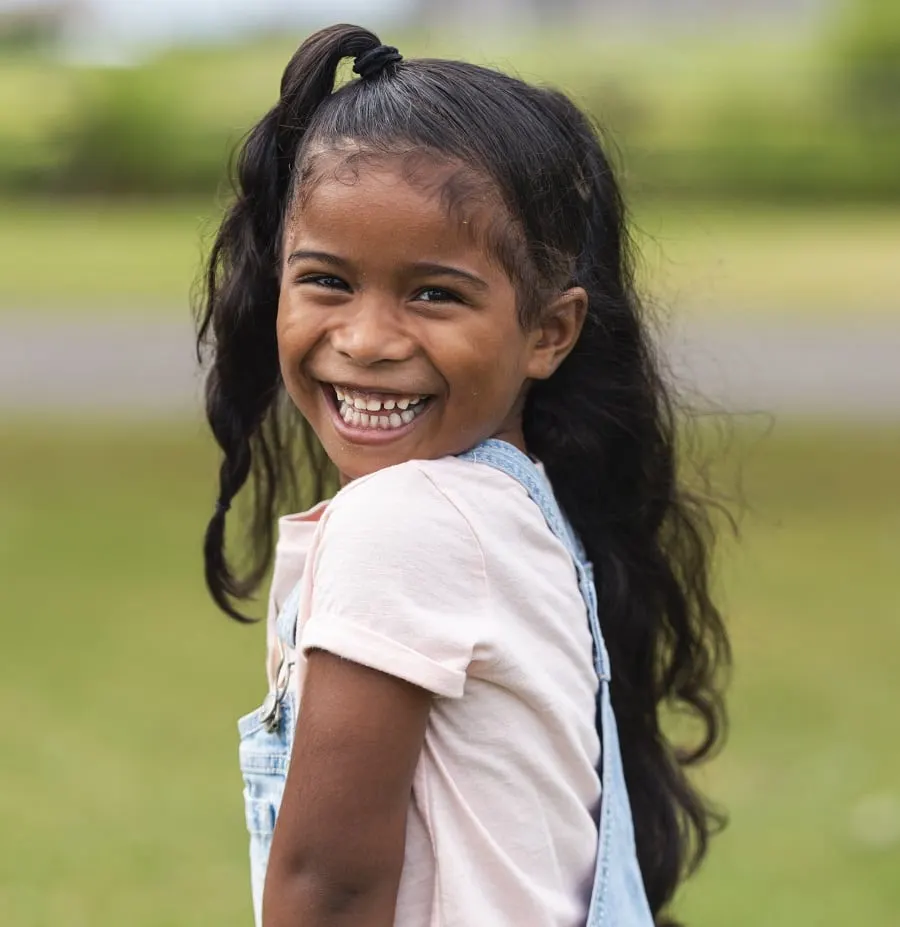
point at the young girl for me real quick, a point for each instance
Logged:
(467, 668)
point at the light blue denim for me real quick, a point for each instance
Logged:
(617, 897)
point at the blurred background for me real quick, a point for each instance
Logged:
(760, 146)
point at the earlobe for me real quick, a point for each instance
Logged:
(558, 332)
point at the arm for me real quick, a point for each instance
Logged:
(338, 847)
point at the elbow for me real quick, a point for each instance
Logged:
(313, 897)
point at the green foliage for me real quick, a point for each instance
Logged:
(865, 49)
(26, 30)
(867, 44)
(128, 132)
(775, 119)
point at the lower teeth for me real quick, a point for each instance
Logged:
(385, 422)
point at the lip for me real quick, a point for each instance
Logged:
(369, 436)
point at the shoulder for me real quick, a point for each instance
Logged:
(413, 506)
(422, 496)
(398, 580)
(416, 477)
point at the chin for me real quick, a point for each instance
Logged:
(356, 463)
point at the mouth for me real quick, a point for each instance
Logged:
(374, 417)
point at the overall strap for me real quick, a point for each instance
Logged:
(618, 897)
(286, 625)
(503, 456)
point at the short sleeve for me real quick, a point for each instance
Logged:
(398, 581)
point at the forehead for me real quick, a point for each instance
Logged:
(416, 191)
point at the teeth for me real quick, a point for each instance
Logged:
(352, 416)
(367, 403)
(359, 410)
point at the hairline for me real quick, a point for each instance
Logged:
(502, 235)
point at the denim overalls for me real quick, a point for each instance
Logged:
(617, 897)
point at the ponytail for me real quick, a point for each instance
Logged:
(237, 319)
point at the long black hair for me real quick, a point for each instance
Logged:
(604, 425)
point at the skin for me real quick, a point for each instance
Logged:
(382, 291)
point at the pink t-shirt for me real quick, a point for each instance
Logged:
(444, 573)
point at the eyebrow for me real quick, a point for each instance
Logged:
(442, 270)
(421, 267)
(322, 256)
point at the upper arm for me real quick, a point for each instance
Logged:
(339, 842)
(398, 583)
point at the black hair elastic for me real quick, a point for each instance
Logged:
(371, 63)
(222, 507)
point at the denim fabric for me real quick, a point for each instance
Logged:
(617, 897)
(264, 755)
(266, 739)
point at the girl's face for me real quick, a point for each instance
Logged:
(398, 334)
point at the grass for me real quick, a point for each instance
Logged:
(804, 263)
(810, 777)
(106, 257)
(120, 799)
(113, 258)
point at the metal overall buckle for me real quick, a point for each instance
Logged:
(270, 712)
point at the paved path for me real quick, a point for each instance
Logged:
(147, 367)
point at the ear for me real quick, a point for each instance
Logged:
(556, 332)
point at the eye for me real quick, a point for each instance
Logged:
(325, 281)
(435, 294)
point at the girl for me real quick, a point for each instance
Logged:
(431, 264)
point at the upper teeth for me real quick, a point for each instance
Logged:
(365, 402)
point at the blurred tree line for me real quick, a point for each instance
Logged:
(167, 126)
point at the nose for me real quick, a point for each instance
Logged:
(373, 332)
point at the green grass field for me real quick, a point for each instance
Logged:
(116, 258)
(120, 799)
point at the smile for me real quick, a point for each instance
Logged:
(377, 416)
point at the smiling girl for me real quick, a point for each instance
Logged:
(425, 281)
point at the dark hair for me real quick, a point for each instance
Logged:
(604, 424)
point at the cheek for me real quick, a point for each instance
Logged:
(292, 332)
(283, 325)
(491, 365)
(295, 340)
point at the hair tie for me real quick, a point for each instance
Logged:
(222, 506)
(371, 63)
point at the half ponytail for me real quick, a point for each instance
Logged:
(237, 317)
